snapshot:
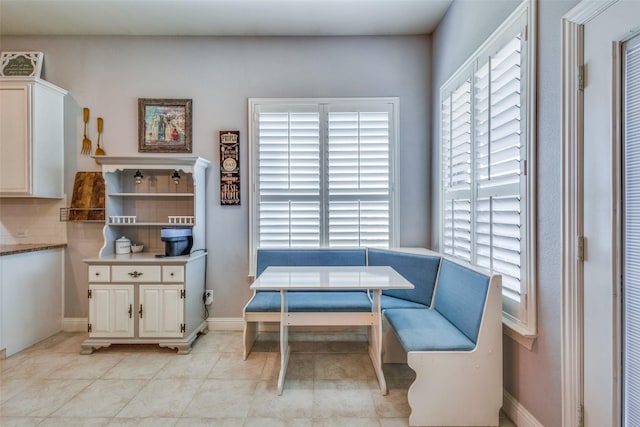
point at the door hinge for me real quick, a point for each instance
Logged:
(89, 294)
(183, 327)
(89, 328)
(183, 294)
(580, 249)
(581, 77)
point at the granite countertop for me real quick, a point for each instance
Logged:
(30, 247)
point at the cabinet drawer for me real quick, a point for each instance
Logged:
(135, 273)
(172, 273)
(99, 273)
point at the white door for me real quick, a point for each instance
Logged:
(601, 363)
(111, 311)
(162, 311)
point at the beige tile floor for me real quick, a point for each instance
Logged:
(330, 382)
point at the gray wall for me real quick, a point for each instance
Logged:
(532, 377)
(109, 74)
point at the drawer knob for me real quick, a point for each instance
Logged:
(171, 274)
(97, 274)
(135, 274)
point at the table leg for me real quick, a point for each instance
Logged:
(284, 340)
(375, 340)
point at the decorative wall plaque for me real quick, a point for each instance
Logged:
(21, 64)
(230, 167)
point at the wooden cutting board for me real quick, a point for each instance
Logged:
(87, 202)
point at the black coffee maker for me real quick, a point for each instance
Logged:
(177, 241)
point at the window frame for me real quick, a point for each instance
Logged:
(324, 106)
(521, 327)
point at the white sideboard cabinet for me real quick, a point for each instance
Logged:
(31, 138)
(147, 297)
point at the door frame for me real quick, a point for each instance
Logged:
(573, 77)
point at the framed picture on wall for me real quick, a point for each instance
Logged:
(21, 64)
(164, 125)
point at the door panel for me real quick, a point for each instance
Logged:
(110, 308)
(163, 310)
(601, 217)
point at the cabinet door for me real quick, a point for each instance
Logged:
(162, 309)
(111, 310)
(15, 155)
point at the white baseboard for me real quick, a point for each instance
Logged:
(518, 413)
(225, 323)
(75, 324)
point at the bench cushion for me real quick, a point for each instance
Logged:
(311, 301)
(426, 330)
(308, 257)
(460, 297)
(388, 302)
(420, 270)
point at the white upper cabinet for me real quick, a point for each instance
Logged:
(31, 138)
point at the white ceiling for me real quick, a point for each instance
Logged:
(221, 17)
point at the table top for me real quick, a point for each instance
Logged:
(330, 278)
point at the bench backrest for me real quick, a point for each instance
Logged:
(420, 270)
(460, 297)
(308, 257)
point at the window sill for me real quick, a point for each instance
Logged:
(518, 333)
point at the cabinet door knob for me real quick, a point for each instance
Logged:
(135, 274)
(140, 311)
(130, 310)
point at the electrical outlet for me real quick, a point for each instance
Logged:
(208, 297)
(22, 233)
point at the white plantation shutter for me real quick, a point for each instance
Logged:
(359, 177)
(289, 179)
(323, 173)
(484, 148)
(456, 143)
(498, 166)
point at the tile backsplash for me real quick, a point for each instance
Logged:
(32, 221)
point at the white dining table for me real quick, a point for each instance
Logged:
(373, 279)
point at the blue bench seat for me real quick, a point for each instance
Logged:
(454, 347)
(426, 330)
(311, 302)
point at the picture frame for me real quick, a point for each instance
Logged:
(164, 125)
(21, 64)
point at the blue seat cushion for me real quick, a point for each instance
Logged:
(389, 302)
(311, 301)
(308, 257)
(426, 330)
(460, 297)
(420, 270)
